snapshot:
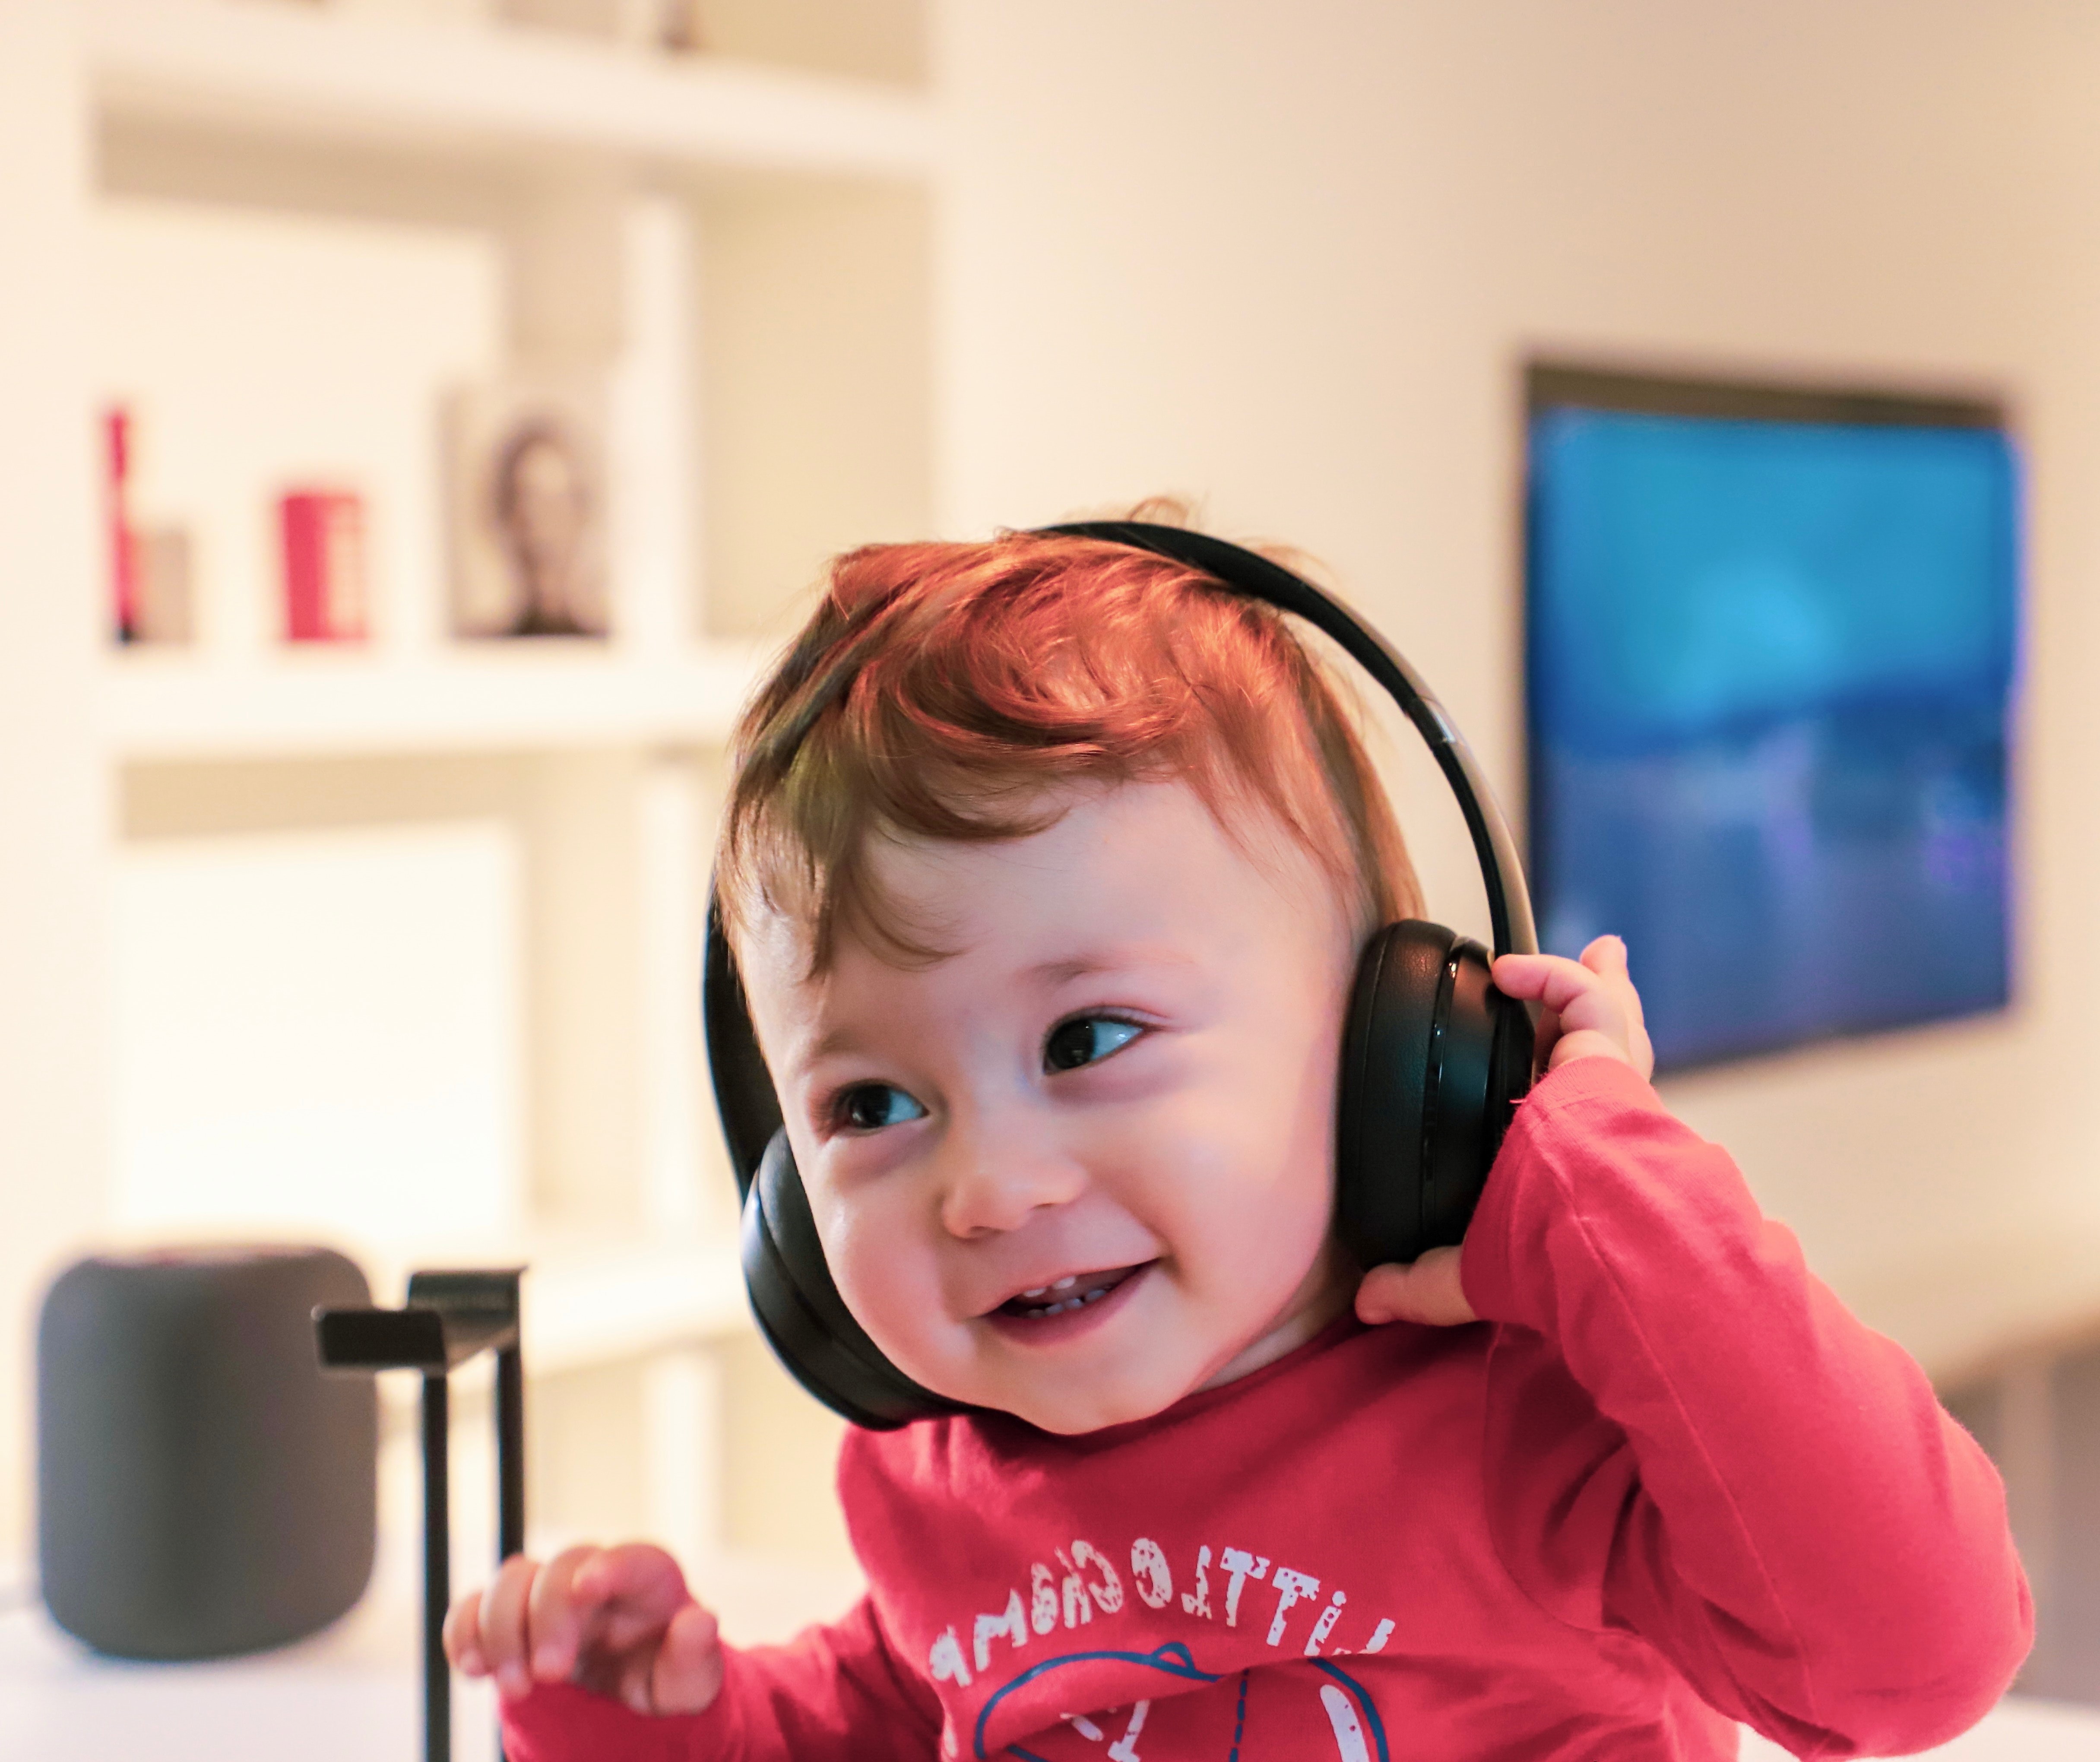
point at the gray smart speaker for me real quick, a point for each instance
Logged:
(202, 1488)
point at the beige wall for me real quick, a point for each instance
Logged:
(53, 809)
(1290, 259)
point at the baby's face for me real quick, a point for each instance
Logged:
(1082, 1165)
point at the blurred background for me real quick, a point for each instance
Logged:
(422, 416)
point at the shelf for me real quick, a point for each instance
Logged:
(590, 1302)
(478, 90)
(588, 1299)
(176, 707)
(584, 1307)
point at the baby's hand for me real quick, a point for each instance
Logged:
(617, 1620)
(1592, 1011)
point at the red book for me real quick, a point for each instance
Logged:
(123, 541)
(325, 599)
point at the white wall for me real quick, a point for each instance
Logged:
(1290, 259)
(53, 809)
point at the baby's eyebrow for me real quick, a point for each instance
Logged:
(1117, 959)
(843, 1038)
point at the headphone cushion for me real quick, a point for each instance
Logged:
(1386, 1051)
(801, 1315)
(1432, 1057)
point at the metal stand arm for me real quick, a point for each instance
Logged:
(450, 1316)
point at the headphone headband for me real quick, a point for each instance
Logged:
(1257, 577)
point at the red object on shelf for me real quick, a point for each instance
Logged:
(324, 598)
(123, 541)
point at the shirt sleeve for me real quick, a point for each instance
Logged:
(834, 1694)
(1690, 1438)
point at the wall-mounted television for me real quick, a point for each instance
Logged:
(1771, 642)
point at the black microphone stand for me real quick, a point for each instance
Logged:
(448, 1318)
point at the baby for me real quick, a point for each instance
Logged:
(1046, 867)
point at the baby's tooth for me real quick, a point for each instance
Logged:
(1039, 1292)
(1066, 1282)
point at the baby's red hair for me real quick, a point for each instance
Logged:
(959, 692)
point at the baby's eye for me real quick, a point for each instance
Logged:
(1086, 1041)
(869, 1106)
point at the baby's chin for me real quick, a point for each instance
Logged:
(1073, 1413)
(1072, 1401)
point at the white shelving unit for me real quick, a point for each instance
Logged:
(489, 91)
(538, 109)
(171, 708)
(781, 221)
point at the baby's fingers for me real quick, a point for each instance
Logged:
(639, 1587)
(1606, 955)
(462, 1636)
(1552, 980)
(639, 1613)
(560, 1612)
(1590, 1007)
(1429, 1290)
(503, 1640)
(688, 1673)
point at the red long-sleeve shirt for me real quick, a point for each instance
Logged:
(1667, 1483)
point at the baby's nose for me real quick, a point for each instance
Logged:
(994, 1182)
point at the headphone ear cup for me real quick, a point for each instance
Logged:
(1433, 1057)
(803, 1317)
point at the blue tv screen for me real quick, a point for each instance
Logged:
(1769, 662)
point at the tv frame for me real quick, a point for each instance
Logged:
(1557, 383)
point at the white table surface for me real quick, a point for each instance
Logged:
(350, 1695)
(319, 1702)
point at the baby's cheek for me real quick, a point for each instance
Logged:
(884, 1275)
(1257, 1252)
(1251, 1206)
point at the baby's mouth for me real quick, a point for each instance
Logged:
(1074, 1291)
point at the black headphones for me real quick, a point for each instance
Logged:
(1433, 1059)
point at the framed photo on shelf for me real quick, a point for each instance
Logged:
(528, 508)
